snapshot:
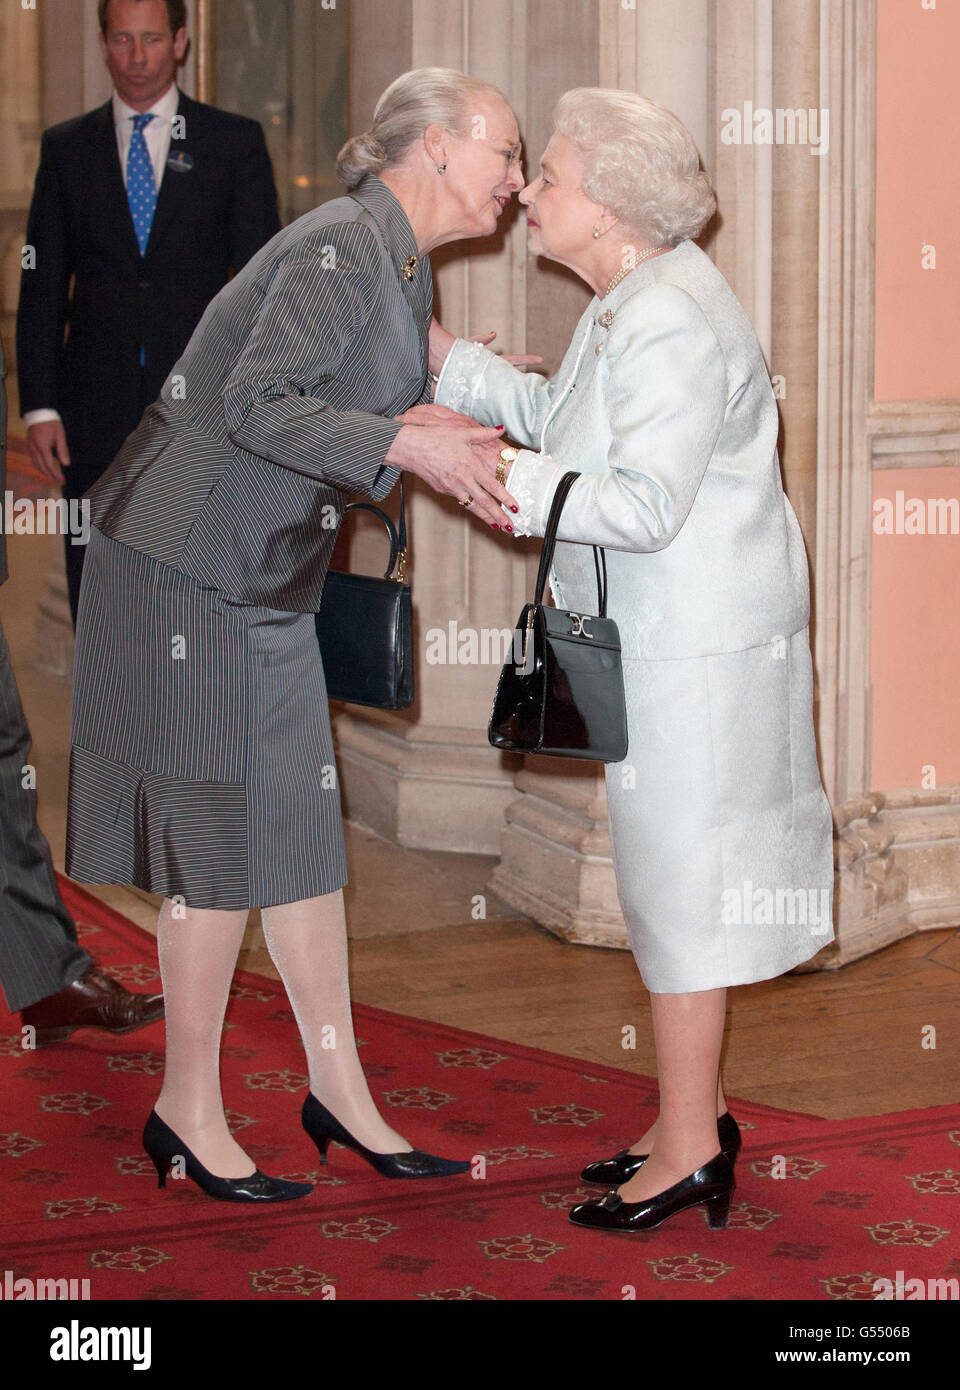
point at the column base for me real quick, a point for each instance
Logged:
(897, 865)
(555, 861)
(898, 868)
(424, 787)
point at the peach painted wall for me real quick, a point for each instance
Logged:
(918, 200)
(915, 637)
(915, 588)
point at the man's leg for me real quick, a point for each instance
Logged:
(39, 953)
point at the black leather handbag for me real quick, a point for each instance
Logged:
(365, 627)
(562, 693)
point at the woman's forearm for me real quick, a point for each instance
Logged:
(440, 343)
(475, 381)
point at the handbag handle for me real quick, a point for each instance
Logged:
(398, 542)
(550, 541)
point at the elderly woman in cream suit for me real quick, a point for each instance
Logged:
(720, 829)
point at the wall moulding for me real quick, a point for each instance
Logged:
(932, 450)
(897, 852)
(898, 867)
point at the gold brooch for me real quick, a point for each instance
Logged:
(606, 318)
(409, 268)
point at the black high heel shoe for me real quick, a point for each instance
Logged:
(163, 1146)
(711, 1185)
(613, 1172)
(322, 1127)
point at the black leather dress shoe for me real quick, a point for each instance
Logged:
(614, 1172)
(93, 1001)
(711, 1185)
(166, 1147)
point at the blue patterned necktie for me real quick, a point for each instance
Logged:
(141, 185)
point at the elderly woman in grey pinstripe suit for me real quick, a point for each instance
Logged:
(201, 736)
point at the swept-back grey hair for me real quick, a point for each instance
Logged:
(416, 99)
(640, 161)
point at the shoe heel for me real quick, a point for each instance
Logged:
(718, 1210)
(321, 1143)
(162, 1165)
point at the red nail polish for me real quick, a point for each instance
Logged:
(495, 526)
(508, 528)
(514, 509)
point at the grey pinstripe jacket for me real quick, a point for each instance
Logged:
(282, 403)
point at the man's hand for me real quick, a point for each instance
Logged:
(458, 461)
(47, 443)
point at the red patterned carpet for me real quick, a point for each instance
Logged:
(860, 1199)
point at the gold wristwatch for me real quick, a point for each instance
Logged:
(507, 455)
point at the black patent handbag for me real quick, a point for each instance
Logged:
(562, 692)
(365, 627)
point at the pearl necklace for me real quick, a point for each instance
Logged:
(625, 270)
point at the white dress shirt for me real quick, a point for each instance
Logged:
(157, 134)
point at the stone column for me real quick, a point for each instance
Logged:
(428, 777)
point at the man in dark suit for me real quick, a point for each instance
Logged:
(149, 203)
(44, 970)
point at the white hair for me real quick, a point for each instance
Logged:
(639, 160)
(416, 99)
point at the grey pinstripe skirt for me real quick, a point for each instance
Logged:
(202, 760)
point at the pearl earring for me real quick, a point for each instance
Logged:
(441, 168)
(596, 232)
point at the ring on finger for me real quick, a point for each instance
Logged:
(465, 502)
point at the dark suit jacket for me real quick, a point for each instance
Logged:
(209, 220)
(282, 405)
(3, 463)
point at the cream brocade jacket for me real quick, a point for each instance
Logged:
(664, 404)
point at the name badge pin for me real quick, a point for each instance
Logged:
(180, 162)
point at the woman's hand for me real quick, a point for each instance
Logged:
(458, 461)
(529, 359)
(440, 343)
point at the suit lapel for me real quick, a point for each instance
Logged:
(396, 235)
(177, 189)
(105, 179)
